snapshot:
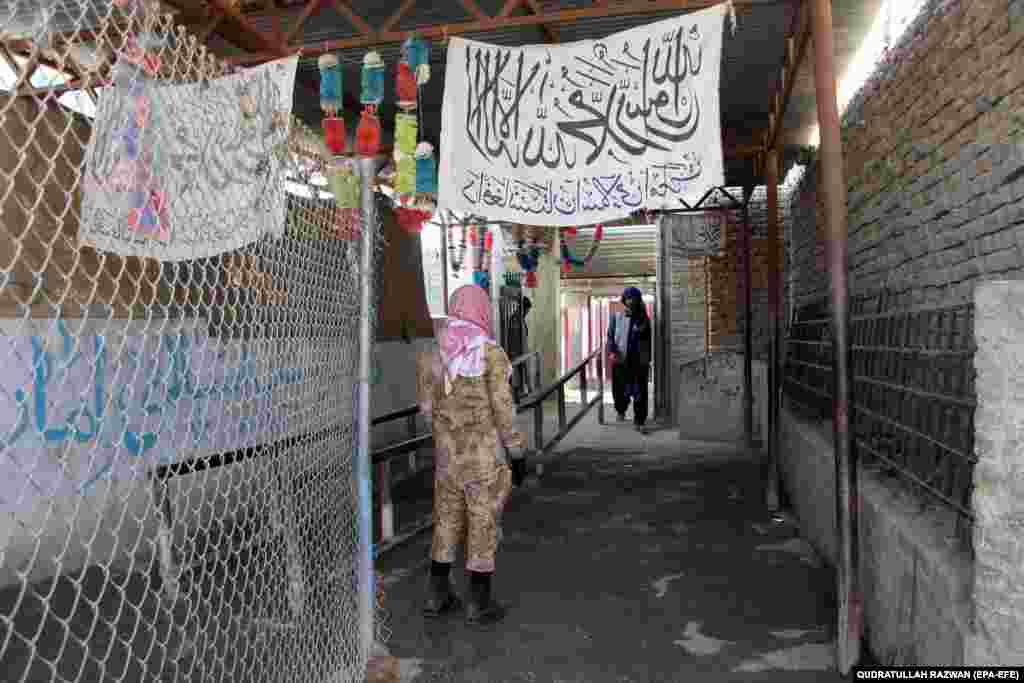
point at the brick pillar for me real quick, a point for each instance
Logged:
(998, 500)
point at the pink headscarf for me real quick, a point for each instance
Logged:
(464, 339)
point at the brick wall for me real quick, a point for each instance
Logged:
(726, 301)
(934, 149)
(934, 152)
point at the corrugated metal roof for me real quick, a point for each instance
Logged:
(624, 250)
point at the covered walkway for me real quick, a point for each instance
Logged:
(632, 559)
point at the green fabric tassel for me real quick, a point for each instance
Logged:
(405, 179)
(344, 186)
(405, 133)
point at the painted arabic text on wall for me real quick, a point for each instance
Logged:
(106, 399)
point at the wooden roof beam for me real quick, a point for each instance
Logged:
(393, 20)
(311, 8)
(232, 12)
(796, 47)
(386, 35)
(550, 31)
(473, 9)
(358, 23)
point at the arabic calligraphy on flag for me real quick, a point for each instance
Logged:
(584, 132)
(187, 171)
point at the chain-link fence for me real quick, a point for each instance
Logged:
(179, 297)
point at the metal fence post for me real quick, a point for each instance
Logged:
(368, 206)
(537, 373)
(583, 384)
(413, 428)
(748, 323)
(561, 407)
(538, 427)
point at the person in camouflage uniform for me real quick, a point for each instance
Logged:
(464, 392)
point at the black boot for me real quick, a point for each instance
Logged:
(482, 609)
(441, 599)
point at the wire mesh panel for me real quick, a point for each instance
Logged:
(178, 295)
(913, 392)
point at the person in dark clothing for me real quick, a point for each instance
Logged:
(518, 345)
(629, 348)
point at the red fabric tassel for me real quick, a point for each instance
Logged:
(334, 134)
(368, 135)
(405, 85)
(411, 220)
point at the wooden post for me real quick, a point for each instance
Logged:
(775, 306)
(833, 185)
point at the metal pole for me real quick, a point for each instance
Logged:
(748, 337)
(600, 386)
(444, 263)
(833, 184)
(775, 304)
(367, 172)
(561, 407)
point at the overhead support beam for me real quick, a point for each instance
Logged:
(550, 31)
(393, 20)
(204, 33)
(357, 21)
(473, 9)
(509, 7)
(231, 11)
(797, 39)
(311, 8)
(386, 35)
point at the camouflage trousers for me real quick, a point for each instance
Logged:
(469, 496)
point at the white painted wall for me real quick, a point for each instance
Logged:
(89, 408)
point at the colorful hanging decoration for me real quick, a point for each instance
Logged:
(332, 104)
(529, 259)
(405, 87)
(416, 54)
(485, 242)
(569, 260)
(372, 95)
(345, 187)
(415, 167)
(405, 161)
(426, 170)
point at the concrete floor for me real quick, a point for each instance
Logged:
(633, 559)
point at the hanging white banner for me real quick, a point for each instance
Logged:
(179, 172)
(586, 132)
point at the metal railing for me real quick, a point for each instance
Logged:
(381, 458)
(913, 394)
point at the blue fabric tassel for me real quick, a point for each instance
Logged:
(426, 175)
